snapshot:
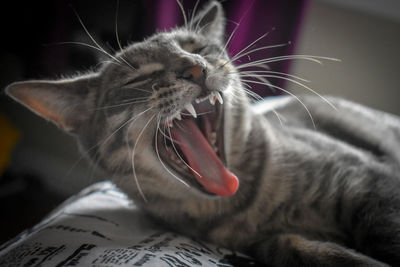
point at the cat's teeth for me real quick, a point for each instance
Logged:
(178, 116)
(219, 97)
(212, 98)
(189, 107)
(213, 138)
(170, 124)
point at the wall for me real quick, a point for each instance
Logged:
(367, 43)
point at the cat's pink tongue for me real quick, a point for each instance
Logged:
(202, 158)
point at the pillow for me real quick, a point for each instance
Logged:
(101, 227)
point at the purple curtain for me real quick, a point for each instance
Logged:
(49, 22)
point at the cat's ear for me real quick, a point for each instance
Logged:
(68, 103)
(211, 21)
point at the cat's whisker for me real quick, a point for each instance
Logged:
(197, 114)
(164, 134)
(133, 159)
(117, 38)
(262, 78)
(159, 157)
(104, 62)
(236, 57)
(93, 167)
(297, 83)
(236, 97)
(316, 59)
(278, 116)
(282, 58)
(229, 39)
(130, 101)
(197, 29)
(116, 27)
(135, 98)
(94, 40)
(202, 27)
(237, 26)
(76, 162)
(120, 105)
(177, 124)
(153, 87)
(193, 14)
(183, 13)
(289, 93)
(119, 63)
(244, 49)
(271, 72)
(259, 98)
(175, 149)
(103, 142)
(252, 94)
(131, 121)
(204, 113)
(258, 77)
(137, 89)
(234, 93)
(264, 66)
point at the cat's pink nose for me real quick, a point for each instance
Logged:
(195, 72)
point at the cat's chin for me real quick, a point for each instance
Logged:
(185, 164)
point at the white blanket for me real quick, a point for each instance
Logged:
(102, 227)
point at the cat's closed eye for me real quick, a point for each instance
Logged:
(199, 50)
(143, 77)
(137, 79)
(193, 48)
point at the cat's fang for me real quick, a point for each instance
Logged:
(189, 107)
(219, 98)
(212, 98)
(178, 116)
(213, 138)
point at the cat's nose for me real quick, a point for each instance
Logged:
(195, 73)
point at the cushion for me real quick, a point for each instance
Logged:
(101, 227)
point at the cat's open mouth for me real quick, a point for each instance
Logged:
(193, 147)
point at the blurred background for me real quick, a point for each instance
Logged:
(40, 166)
(365, 36)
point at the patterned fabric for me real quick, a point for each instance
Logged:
(102, 227)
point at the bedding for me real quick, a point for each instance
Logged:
(101, 227)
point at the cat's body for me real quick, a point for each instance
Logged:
(338, 183)
(294, 189)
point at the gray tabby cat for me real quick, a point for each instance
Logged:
(170, 119)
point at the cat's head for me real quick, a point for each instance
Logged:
(154, 116)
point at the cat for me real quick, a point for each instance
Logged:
(289, 182)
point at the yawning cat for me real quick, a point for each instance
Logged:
(293, 183)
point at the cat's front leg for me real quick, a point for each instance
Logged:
(295, 250)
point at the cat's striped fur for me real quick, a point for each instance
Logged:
(320, 191)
